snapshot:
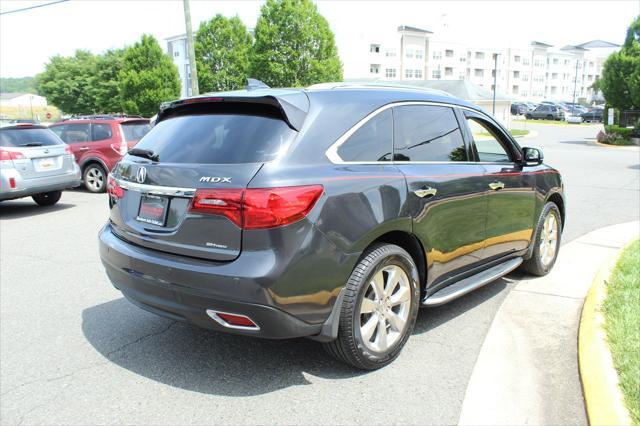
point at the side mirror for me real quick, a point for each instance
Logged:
(532, 156)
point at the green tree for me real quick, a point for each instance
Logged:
(148, 77)
(294, 45)
(106, 90)
(68, 82)
(620, 83)
(222, 47)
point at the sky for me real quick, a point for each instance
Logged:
(28, 39)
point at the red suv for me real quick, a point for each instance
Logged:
(98, 142)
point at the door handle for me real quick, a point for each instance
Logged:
(496, 185)
(83, 148)
(425, 192)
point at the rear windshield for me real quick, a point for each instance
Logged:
(28, 137)
(135, 131)
(217, 139)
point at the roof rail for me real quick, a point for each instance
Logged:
(377, 85)
(100, 117)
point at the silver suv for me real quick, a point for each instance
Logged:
(35, 162)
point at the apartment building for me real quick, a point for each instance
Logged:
(178, 51)
(536, 72)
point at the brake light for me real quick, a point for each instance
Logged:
(11, 155)
(12, 183)
(114, 189)
(258, 208)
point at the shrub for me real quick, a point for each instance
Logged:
(617, 130)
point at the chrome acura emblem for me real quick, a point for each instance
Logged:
(141, 175)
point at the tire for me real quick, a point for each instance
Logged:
(47, 198)
(528, 116)
(539, 264)
(379, 349)
(549, 117)
(95, 178)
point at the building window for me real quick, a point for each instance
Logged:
(516, 58)
(408, 73)
(516, 74)
(493, 87)
(514, 90)
(436, 74)
(408, 53)
(553, 90)
(448, 71)
(374, 68)
(419, 54)
(390, 53)
(590, 78)
(418, 73)
(525, 61)
(479, 55)
(524, 93)
(555, 61)
(525, 77)
(374, 48)
(390, 73)
(590, 64)
(448, 53)
(493, 73)
(437, 55)
(463, 59)
(554, 76)
(566, 62)
(478, 72)
(176, 54)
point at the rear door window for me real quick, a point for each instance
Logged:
(100, 131)
(28, 137)
(373, 141)
(427, 133)
(217, 139)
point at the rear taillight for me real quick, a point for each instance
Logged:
(68, 151)
(11, 155)
(114, 189)
(258, 208)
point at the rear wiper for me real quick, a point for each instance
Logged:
(32, 144)
(144, 153)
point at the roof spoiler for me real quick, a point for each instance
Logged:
(293, 105)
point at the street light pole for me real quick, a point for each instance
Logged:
(575, 85)
(191, 51)
(495, 81)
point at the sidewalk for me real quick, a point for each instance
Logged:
(527, 369)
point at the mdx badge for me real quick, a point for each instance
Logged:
(215, 179)
(141, 175)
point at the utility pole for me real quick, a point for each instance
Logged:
(191, 51)
(575, 84)
(495, 82)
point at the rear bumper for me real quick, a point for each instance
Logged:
(184, 289)
(28, 187)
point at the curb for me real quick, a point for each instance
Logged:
(603, 399)
(594, 142)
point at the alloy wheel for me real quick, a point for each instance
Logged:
(385, 307)
(95, 178)
(549, 239)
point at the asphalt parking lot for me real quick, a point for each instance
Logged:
(73, 351)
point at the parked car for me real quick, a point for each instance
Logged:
(35, 163)
(518, 108)
(99, 142)
(531, 106)
(593, 115)
(330, 213)
(546, 112)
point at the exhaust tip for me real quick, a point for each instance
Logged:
(235, 321)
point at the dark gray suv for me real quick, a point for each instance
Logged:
(332, 213)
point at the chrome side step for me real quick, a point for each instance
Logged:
(471, 283)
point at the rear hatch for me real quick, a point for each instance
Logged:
(35, 152)
(180, 189)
